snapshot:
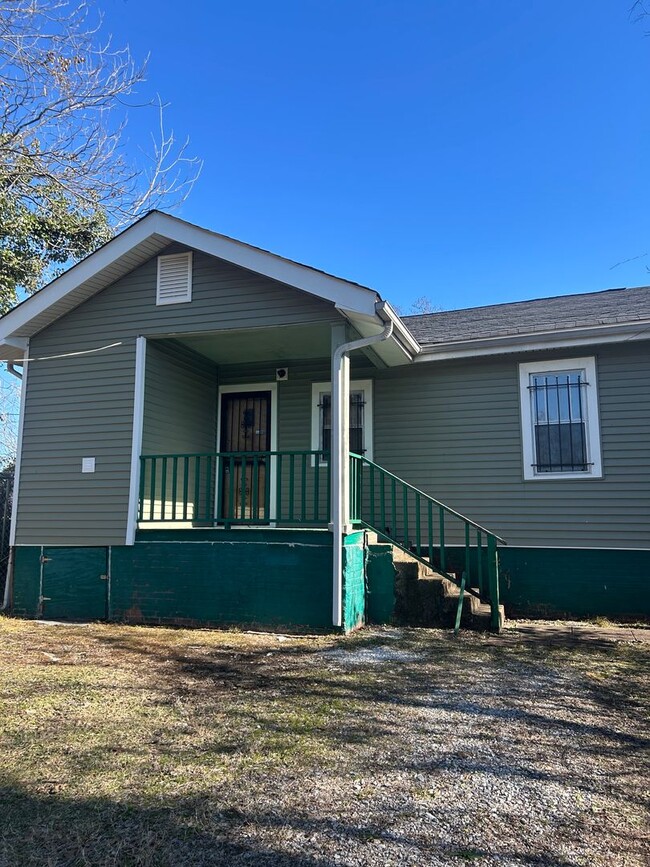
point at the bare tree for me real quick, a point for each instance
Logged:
(66, 180)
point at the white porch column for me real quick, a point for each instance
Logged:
(136, 439)
(339, 471)
(340, 451)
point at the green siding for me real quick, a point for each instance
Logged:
(453, 429)
(354, 583)
(180, 410)
(82, 406)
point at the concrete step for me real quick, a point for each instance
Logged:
(426, 598)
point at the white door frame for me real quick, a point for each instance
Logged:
(252, 386)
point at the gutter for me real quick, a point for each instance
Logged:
(11, 368)
(340, 464)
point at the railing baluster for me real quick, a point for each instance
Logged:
(186, 481)
(430, 529)
(292, 467)
(143, 470)
(479, 562)
(418, 531)
(467, 553)
(372, 496)
(208, 489)
(405, 506)
(152, 490)
(268, 466)
(393, 507)
(255, 512)
(328, 507)
(174, 485)
(278, 489)
(441, 539)
(197, 488)
(303, 488)
(316, 460)
(242, 487)
(163, 490)
(232, 505)
(382, 502)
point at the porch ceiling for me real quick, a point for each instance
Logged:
(282, 343)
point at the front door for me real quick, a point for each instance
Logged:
(245, 477)
(75, 584)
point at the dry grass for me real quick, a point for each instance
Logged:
(139, 746)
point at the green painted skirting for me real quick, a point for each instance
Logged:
(564, 582)
(539, 582)
(263, 577)
(354, 584)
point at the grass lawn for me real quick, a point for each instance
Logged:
(141, 746)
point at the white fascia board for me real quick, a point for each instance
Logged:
(339, 292)
(617, 333)
(78, 274)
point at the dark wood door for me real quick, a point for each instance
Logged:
(245, 478)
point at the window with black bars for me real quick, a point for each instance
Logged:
(559, 409)
(357, 406)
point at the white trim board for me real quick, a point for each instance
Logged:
(136, 439)
(252, 386)
(365, 385)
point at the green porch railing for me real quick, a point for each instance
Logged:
(431, 532)
(286, 487)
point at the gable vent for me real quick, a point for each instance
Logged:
(174, 279)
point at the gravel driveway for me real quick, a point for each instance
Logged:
(393, 747)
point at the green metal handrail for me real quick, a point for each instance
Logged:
(422, 526)
(208, 488)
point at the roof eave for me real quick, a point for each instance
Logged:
(31, 316)
(536, 341)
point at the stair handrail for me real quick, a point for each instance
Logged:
(429, 497)
(488, 590)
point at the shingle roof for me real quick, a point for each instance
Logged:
(524, 317)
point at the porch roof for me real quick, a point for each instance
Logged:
(146, 238)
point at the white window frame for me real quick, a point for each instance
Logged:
(188, 292)
(554, 366)
(317, 388)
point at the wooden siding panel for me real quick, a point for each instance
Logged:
(82, 406)
(454, 430)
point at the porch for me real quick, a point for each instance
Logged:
(294, 451)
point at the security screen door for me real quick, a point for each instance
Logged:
(245, 477)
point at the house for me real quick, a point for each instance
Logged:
(213, 434)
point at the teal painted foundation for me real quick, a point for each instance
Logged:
(354, 581)
(545, 582)
(268, 578)
(283, 579)
(380, 574)
(539, 582)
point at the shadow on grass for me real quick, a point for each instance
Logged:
(60, 832)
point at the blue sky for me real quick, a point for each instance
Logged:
(473, 152)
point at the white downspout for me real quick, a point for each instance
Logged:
(340, 460)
